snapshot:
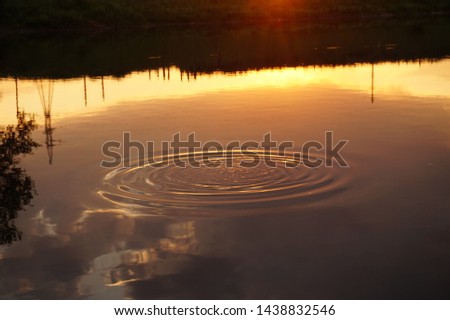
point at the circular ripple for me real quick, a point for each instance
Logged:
(232, 183)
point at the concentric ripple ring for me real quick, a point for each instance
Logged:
(161, 183)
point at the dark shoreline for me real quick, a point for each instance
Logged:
(46, 16)
(238, 48)
(312, 22)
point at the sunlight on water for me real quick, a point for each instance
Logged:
(87, 96)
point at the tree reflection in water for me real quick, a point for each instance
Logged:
(16, 187)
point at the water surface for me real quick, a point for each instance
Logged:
(377, 230)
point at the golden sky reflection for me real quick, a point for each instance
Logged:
(390, 150)
(69, 98)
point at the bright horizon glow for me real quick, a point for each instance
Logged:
(390, 80)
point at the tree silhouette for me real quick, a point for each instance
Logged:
(16, 187)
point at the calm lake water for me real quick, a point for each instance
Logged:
(378, 229)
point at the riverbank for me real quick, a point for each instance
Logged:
(236, 48)
(110, 14)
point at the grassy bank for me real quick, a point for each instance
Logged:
(42, 14)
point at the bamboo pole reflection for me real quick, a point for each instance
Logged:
(85, 91)
(373, 84)
(47, 101)
(103, 90)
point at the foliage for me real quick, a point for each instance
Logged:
(16, 187)
(115, 13)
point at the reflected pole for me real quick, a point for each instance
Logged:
(17, 97)
(85, 91)
(47, 101)
(103, 90)
(373, 83)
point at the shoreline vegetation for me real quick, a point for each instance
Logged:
(236, 48)
(48, 15)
